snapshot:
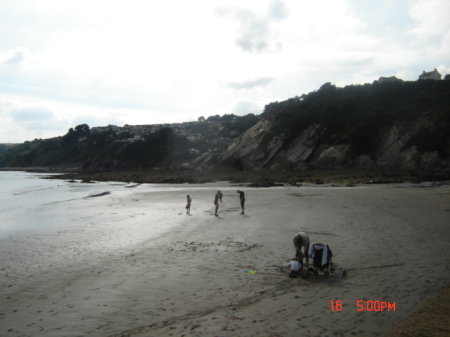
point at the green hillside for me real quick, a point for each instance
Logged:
(142, 146)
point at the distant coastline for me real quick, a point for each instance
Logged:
(254, 178)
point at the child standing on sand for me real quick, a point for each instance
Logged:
(242, 198)
(216, 203)
(188, 205)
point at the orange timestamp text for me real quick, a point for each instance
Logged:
(365, 305)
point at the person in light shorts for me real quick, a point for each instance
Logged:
(301, 245)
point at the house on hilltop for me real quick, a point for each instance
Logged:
(390, 79)
(430, 75)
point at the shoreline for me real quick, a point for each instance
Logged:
(260, 178)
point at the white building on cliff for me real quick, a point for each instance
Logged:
(430, 75)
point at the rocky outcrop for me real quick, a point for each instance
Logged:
(255, 152)
(303, 147)
(365, 134)
(333, 156)
(391, 152)
(252, 150)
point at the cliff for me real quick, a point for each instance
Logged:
(398, 126)
(393, 126)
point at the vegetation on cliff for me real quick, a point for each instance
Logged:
(129, 147)
(360, 114)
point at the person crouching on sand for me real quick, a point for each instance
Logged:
(301, 241)
(294, 268)
(216, 203)
(242, 197)
(188, 205)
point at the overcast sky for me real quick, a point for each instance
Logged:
(100, 62)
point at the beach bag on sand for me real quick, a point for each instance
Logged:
(321, 255)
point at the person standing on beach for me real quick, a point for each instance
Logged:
(188, 205)
(216, 203)
(301, 241)
(242, 197)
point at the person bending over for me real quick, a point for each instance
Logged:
(301, 245)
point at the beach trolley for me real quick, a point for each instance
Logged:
(321, 256)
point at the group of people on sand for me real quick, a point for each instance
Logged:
(300, 263)
(320, 254)
(217, 199)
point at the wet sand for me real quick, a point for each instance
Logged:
(430, 320)
(393, 243)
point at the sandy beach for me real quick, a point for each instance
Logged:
(134, 264)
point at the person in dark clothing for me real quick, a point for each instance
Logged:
(242, 197)
(188, 205)
(216, 203)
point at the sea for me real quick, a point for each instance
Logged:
(30, 203)
(50, 225)
(57, 218)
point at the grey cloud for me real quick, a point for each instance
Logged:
(251, 45)
(277, 10)
(254, 35)
(14, 56)
(257, 82)
(254, 31)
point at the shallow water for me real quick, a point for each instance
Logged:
(48, 225)
(29, 203)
